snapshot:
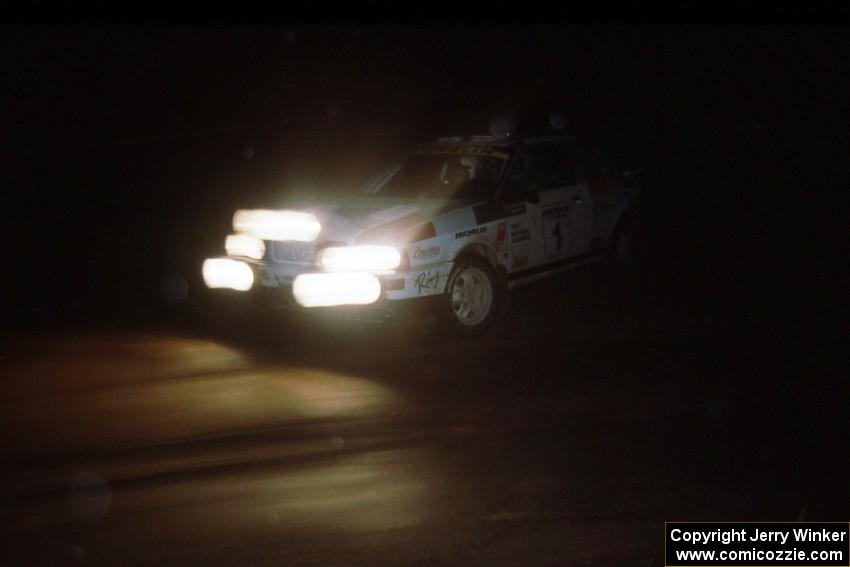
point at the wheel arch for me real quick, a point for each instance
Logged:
(486, 251)
(482, 257)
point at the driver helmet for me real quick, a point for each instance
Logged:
(471, 165)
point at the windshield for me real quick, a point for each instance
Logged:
(453, 172)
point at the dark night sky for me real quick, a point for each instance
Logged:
(102, 85)
(131, 137)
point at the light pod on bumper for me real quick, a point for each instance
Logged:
(342, 288)
(245, 245)
(277, 225)
(359, 258)
(227, 273)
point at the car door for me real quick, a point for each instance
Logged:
(544, 178)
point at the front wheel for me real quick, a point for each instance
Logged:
(474, 295)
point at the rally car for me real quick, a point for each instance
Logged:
(459, 222)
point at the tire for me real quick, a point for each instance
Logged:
(474, 297)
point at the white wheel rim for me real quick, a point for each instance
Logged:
(472, 296)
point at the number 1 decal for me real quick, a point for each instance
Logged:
(557, 234)
(556, 229)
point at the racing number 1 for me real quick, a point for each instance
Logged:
(557, 234)
(556, 230)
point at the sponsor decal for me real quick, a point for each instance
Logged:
(557, 210)
(429, 280)
(519, 233)
(501, 231)
(470, 232)
(519, 261)
(512, 209)
(423, 253)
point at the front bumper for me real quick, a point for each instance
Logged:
(284, 286)
(252, 284)
(266, 301)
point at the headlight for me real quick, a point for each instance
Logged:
(277, 225)
(227, 273)
(359, 258)
(245, 245)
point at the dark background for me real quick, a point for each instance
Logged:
(128, 147)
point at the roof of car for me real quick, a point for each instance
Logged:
(459, 141)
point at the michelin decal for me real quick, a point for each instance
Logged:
(470, 232)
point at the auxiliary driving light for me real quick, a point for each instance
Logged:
(227, 273)
(328, 289)
(277, 225)
(245, 245)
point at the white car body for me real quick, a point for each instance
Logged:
(523, 235)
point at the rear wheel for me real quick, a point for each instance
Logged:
(474, 295)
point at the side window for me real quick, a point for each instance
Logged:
(520, 177)
(539, 167)
(598, 172)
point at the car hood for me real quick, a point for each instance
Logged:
(369, 220)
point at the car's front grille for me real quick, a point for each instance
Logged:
(300, 252)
